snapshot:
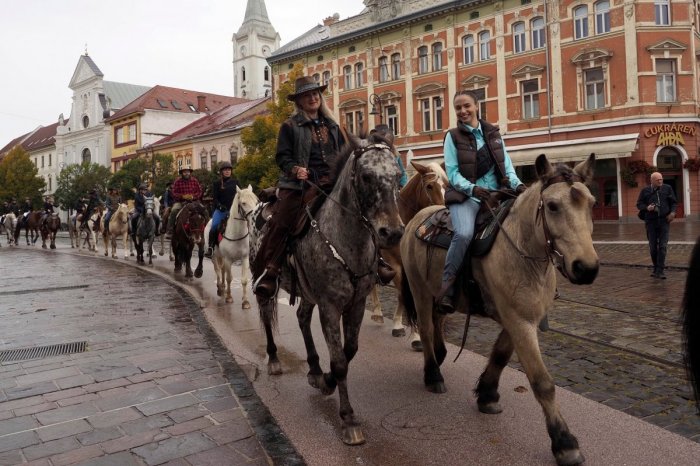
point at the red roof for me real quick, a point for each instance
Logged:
(11, 145)
(172, 99)
(43, 137)
(228, 117)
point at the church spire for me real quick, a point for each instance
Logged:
(255, 11)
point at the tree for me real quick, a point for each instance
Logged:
(206, 178)
(258, 167)
(19, 178)
(164, 172)
(76, 181)
(129, 176)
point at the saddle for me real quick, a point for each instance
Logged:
(312, 201)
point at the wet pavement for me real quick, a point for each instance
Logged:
(149, 390)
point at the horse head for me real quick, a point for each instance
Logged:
(564, 209)
(425, 188)
(368, 183)
(193, 219)
(149, 206)
(244, 203)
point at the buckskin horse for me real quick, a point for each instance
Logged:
(49, 230)
(690, 316)
(118, 226)
(425, 188)
(336, 267)
(549, 227)
(31, 224)
(189, 231)
(234, 245)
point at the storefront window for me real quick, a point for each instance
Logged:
(668, 159)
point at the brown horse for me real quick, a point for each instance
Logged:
(425, 188)
(49, 230)
(690, 316)
(31, 224)
(189, 230)
(548, 228)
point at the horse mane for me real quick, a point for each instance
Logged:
(337, 164)
(437, 168)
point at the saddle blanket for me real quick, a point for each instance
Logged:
(437, 230)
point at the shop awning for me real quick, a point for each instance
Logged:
(608, 147)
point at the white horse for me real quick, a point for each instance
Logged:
(234, 245)
(9, 223)
(94, 229)
(118, 226)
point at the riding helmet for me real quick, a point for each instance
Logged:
(143, 186)
(224, 164)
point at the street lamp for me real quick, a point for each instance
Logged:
(376, 103)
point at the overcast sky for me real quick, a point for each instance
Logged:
(178, 43)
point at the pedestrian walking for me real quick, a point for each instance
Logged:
(658, 203)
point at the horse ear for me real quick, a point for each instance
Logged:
(585, 169)
(542, 166)
(250, 187)
(238, 190)
(420, 168)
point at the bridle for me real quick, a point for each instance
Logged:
(243, 218)
(354, 277)
(186, 225)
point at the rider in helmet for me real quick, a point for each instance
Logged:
(48, 209)
(26, 210)
(111, 204)
(185, 189)
(223, 190)
(139, 205)
(92, 203)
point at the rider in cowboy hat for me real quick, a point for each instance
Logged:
(185, 189)
(223, 191)
(307, 143)
(111, 204)
(93, 202)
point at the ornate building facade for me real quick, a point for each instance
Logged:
(613, 77)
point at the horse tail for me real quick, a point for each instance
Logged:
(409, 303)
(268, 314)
(690, 316)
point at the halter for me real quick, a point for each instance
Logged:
(354, 277)
(186, 226)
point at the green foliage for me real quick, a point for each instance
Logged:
(258, 167)
(206, 178)
(129, 176)
(19, 179)
(76, 181)
(164, 172)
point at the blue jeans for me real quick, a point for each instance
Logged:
(463, 220)
(216, 218)
(657, 234)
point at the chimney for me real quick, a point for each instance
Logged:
(201, 104)
(331, 19)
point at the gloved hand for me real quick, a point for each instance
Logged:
(480, 193)
(187, 197)
(520, 189)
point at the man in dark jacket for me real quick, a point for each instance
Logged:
(659, 203)
(223, 191)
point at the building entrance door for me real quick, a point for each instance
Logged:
(670, 165)
(604, 189)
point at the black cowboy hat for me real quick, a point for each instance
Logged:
(305, 84)
(224, 164)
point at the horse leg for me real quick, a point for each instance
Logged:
(430, 325)
(564, 443)
(377, 315)
(315, 375)
(150, 250)
(245, 271)
(162, 243)
(187, 260)
(486, 390)
(268, 315)
(200, 255)
(228, 276)
(218, 263)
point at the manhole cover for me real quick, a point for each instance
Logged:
(38, 352)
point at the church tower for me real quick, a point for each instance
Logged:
(255, 40)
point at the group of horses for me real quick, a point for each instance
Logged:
(35, 226)
(333, 266)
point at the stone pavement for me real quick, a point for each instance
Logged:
(153, 387)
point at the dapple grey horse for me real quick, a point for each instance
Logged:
(145, 232)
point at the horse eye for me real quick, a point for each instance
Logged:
(429, 187)
(366, 178)
(552, 206)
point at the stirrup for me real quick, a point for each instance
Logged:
(209, 252)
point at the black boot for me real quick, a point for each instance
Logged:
(212, 243)
(445, 299)
(385, 273)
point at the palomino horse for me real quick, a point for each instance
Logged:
(189, 230)
(234, 245)
(50, 229)
(9, 224)
(425, 188)
(336, 267)
(145, 232)
(118, 226)
(549, 228)
(690, 316)
(31, 224)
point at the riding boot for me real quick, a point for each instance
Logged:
(445, 298)
(212, 243)
(385, 273)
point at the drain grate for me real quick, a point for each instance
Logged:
(39, 352)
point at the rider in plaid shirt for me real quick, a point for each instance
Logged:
(185, 189)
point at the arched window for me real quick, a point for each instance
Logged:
(468, 46)
(359, 68)
(395, 66)
(347, 77)
(266, 73)
(85, 155)
(422, 59)
(539, 39)
(327, 78)
(317, 78)
(243, 73)
(383, 69)
(519, 37)
(581, 22)
(484, 45)
(437, 56)
(602, 17)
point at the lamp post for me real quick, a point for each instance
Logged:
(376, 103)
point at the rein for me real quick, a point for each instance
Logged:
(243, 218)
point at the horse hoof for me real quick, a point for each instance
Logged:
(161, 253)
(229, 299)
(132, 254)
(398, 332)
(378, 318)
(219, 292)
(417, 346)
(353, 435)
(43, 246)
(437, 387)
(245, 305)
(274, 368)
(198, 273)
(189, 275)
(569, 457)
(106, 254)
(493, 408)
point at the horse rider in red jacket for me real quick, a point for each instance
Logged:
(185, 189)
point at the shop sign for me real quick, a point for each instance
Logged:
(670, 134)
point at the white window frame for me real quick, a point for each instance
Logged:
(327, 78)
(354, 120)
(581, 22)
(594, 88)
(347, 77)
(519, 37)
(531, 99)
(468, 48)
(359, 70)
(664, 79)
(602, 16)
(383, 64)
(484, 45)
(392, 118)
(662, 12)
(423, 59)
(317, 78)
(395, 66)
(539, 36)
(431, 109)
(437, 56)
